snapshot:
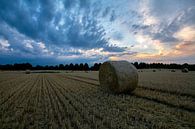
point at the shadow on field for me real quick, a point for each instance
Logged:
(133, 94)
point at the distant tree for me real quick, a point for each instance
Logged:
(28, 66)
(51, 67)
(96, 67)
(22, 66)
(192, 67)
(76, 67)
(61, 67)
(142, 65)
(81, 66)
(71, 66)
(86, 67)
(46, 67)
(38, 67)
(185, 65)
(136, 64)
(56, 67)
(66, 67)
(7, 67)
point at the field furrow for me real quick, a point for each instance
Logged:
(96, 102)
(77, 101)
(164, 97)
(177, 93)
(70, 102)
(7, 89)
(17, 105)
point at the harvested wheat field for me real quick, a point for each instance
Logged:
(74, 100)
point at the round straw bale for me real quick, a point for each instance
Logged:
(185, 70)
(173, 70)
(27, 71)
(118, 76)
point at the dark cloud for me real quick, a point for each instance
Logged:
(20, 44)
(113, 16)
(167, 8)
(72, 3)
(26, 24)
(38, 27)
(38, 20)
(69, 3)
(106, 11)
(87, 35)
(165, 37)
(184, 18)
(139, 27)
(18, 15)
(114, 48)
(123, 54)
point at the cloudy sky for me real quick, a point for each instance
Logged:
(65, 31)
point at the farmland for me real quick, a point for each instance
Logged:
(74, 100)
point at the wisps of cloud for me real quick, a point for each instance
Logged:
(97, 30)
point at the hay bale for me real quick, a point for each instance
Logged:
(185, 70)
(27, 71)
(118, 76)
(172, 70)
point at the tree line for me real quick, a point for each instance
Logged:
(95, 67)
(143, 65)
(71, 66)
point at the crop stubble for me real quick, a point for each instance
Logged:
(71, 101)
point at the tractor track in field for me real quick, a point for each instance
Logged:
(73, 124)
(25, 104)
(83, 103)
(71, 103)
(39, 118)
(141, 87)
(10, 80)
(141, 96)
(168, 92)
(20, 94)
(59, 104)
(9, 85)
(52, 104)
(76, 102)
(31, 104)
(19, 89)
(144, 87)
(17, 104)
(58, 92)
(46, 108)
(79, 101)
(6, 80)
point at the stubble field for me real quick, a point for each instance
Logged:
(74, 100)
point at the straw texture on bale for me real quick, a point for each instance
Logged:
(118, 76)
